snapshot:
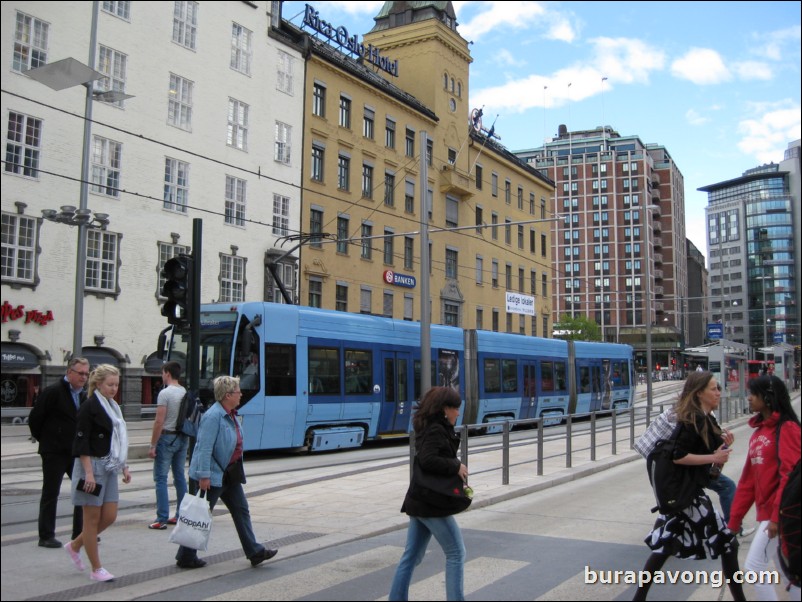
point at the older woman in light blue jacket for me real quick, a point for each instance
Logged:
(217, 466)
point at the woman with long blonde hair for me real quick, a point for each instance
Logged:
(101, 447)
(698, 530)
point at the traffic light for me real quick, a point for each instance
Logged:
(177, 289)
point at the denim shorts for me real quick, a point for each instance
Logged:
(110, 491)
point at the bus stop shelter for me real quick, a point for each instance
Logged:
(727, 360)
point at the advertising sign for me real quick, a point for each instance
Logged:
(715, 331)
(520, 304)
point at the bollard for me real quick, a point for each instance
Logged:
(540, 447)
(613, 427)
(632, 427)
(593, 436)
(568, 424)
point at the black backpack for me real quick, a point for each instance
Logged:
(788, 527)
(674, 486)
(189, 415)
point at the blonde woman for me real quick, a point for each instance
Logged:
(699, 529)
(101, 447)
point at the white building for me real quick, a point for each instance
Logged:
(213, 131)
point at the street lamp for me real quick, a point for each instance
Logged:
(60, 75)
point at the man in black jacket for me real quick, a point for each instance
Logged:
(52, 424)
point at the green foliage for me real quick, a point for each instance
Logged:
(578, 328)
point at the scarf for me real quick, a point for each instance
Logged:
(118, 454)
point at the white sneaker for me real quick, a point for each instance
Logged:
(101, 575)
(746, 532)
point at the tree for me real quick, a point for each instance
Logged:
(578, 328)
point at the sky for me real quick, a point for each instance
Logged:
(717, 84)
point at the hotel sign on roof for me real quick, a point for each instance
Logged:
(339, 36)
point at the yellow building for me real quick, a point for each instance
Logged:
(488, 219)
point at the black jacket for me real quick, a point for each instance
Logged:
(53, 417)
(690, 441)
(93, 430)
(437, 447)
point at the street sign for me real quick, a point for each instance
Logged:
(715, 331)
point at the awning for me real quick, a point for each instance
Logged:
(17, 357)
(98, 355)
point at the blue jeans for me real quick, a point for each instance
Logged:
(724, 486)
(233, 497)
(171, 452)
(446, 532)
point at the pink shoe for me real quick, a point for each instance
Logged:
(101, 575)
(75, 557)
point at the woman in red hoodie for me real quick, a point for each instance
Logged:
(773, 451)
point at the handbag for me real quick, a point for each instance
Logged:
(440, 491)
(194, 523)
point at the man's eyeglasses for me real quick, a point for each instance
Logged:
(84, 374)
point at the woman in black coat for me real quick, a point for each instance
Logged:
(431, 513)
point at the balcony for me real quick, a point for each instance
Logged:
(658, 258)
(658, 274)
(455, 182)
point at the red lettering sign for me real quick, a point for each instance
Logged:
(9, 312)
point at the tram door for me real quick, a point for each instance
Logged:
(590, 386)
(529, 399)
(397, 392)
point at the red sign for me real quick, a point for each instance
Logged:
(9, 312)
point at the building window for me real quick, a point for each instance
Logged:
(507, 192)
(241, 49)
(235, 201)
(389, 133)
(543, 245)
(101, 261)
(315, 227)
(478, 177)
(479, 270)
(408, 302)
(531, 203)
(451, 263)
(284, 77)
(30, 43)
(508, 231)
(494, 274)
(409, 252)
(112, 64)
(520, 280)
(367, 233)
(452, 212)
(365, 301)
(409, 147)
(389, 189)
(368, 123)
(452, 156)
(119, 9)
(494, 224)
(387, 305)
(509, 323)
(430, 153)
(544, 286)
(106, 165)
(176, 185)
(179, 106)
(286, 274)
(19, 248)
(341, 301)
(520, 237)
(281, 215)
(494, 184)
(451, 314)
(319, 100)
(520, 198)
(367, 181)
(315, 292)
(343, 172)
(167, 251)
(283, 143)
(480, 315)
(345, 112)
(388, 247)
(508, 277)
(232, 279)
(495, 320)
(342, 235)
(409, 196)
(237, 124)
(185, 23)
(318, 156)
(533, 284)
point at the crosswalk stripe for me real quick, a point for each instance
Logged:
(310, 581)
(575, 588)
(477, 576)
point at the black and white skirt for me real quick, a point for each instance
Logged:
(692, 533)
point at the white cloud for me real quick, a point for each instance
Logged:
(750, 70)
(766, 136)
(694, 118)
(775, 41)
(492, 16)
(702, 66)
(620, 60)
(505, 57)
(350, 7)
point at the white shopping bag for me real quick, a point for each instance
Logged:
(194, 523)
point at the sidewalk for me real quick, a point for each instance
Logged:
(297, 520)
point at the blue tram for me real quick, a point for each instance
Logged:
(328, 379)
